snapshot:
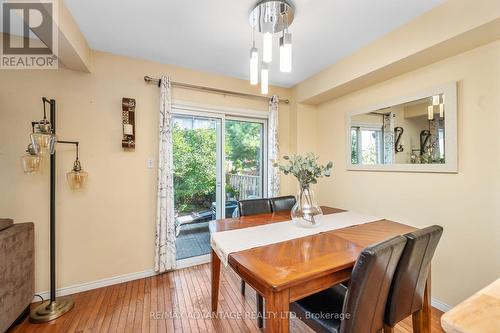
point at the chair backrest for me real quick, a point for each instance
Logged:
(282, 203)
(369, 286)
(408, 285)
(254, 206)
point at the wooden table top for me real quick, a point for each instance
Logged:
(290, 263)
(480, 313)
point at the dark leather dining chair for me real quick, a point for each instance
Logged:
(253, 207)
(408, 285)
(282, 203)
(362, 303)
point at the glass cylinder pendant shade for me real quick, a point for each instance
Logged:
(430, 112)
(254, 66)
(77, 177)
(286, 53)
(267, 42)
(264, 79)
(43, 140)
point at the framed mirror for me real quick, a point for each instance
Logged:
(416, 133)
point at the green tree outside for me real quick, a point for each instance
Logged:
(195, 159)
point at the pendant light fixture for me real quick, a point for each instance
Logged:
(76, 177)
(270, 17)
(31, 161)
(43, 140)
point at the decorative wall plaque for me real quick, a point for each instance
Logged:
(128, 120)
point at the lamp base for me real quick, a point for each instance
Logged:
(48, 311)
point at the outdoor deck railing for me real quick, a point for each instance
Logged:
(248, 186)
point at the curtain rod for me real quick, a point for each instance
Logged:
(213, 90)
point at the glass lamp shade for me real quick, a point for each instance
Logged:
(76, 179)
(43, 143)
(31, 163)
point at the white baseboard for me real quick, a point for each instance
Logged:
(440, 305)
(183, 263)
(78, 288)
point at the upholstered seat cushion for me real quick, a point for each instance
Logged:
(5, 223)
(325, 307)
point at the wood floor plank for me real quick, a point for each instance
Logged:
(160, 305)
(101, 316)
(108, 315)
(139, 308)
(175, 304)
(153, 325)
(122, 322)
(127, 307)
(168, 315)
(115, 319)
(195, 300)
(146, 315)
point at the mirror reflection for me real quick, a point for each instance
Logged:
(408, 133)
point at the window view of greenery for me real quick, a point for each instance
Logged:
(366, 146)
(195, 157)
(243, 160)
(354, 145)
(195, 164)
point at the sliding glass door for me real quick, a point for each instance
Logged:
(244, 163)
(218, 160)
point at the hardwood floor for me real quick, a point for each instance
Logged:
(147, 305)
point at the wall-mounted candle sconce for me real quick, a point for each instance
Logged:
(43, 144)
(398, 147)
(128, 122)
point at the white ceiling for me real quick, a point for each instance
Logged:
(214, 35)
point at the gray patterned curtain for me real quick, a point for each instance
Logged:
(165, 217)
(273, 177)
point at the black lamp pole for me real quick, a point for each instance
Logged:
(53, 208)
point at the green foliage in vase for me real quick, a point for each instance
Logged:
(306, 168)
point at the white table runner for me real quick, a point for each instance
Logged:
(226, 242)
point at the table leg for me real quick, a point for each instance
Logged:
(277, 312)
(421, 319)
(427, 307)
(215, 267)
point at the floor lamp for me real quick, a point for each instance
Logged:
(43, 142)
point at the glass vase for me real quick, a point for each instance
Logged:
(306, 212)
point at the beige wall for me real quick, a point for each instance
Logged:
(108, 229)
(466, 204)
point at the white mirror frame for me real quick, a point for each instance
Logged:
(450, 123)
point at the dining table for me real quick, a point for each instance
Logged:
(287, 271)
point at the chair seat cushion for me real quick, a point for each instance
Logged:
(322, 311)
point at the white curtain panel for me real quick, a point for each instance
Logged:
(388, 138)
(273, 177)
(165, 216)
